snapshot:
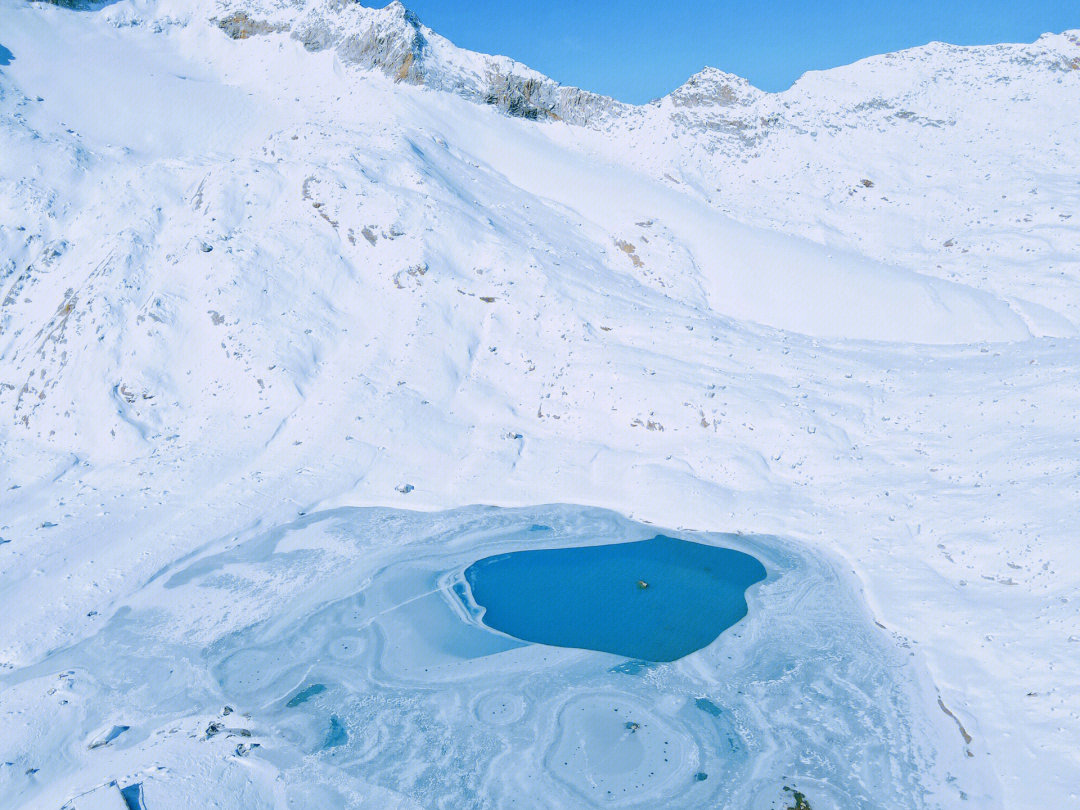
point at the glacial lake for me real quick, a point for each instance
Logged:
(374, 658)
(655, 600)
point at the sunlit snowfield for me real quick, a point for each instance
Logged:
(248, 279)
(367, 680)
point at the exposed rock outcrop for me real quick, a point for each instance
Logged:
(240, 25)
(393, 41)
(720, 107)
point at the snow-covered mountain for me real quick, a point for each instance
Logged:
(395, 42)
(265, 258)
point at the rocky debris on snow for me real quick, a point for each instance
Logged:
(106, 737)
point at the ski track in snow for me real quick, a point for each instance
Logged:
(241, 280)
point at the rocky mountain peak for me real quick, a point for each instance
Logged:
(714, 87)
(390, 39)
(393, 41)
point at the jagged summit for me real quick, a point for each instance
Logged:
(395, 42)
(714, 87)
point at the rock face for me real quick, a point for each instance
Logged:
(721, 109)
(240, 25)
(715, 88)
(537, 97)
(393, 41)
(715, 102)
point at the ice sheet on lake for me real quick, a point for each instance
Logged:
(334, 662)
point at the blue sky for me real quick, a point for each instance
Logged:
(636, 51)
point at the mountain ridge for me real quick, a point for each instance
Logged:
(242, 279)
(396, 42)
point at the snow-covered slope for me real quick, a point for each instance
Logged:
(264, 258)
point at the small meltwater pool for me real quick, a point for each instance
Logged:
(655, 600)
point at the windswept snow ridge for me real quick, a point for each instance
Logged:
(264, 259)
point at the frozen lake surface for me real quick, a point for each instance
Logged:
(340, 661)
(657, 600)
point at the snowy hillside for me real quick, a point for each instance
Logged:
(265, 259)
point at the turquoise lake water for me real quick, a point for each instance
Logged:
(654, 600)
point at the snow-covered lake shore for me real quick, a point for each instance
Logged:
(242, 280)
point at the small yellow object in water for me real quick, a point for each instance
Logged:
(642, 584)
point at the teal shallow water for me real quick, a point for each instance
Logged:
(654, 600)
